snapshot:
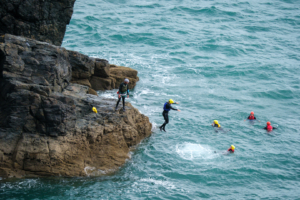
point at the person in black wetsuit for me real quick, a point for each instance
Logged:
(123, 90)
(251, 116)
(167, 108)
(216, 124)
(269, 128)
(231, 149)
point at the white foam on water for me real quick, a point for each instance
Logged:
(190, 151)
(23, 184)
(166, 184)
(88, 170)
(111, 94)
(92, 171)
(154, 126)
(144, 91)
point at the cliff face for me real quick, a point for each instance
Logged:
(43, 20)
(98, 74)
(47, 126)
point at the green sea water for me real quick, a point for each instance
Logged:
(220, 59)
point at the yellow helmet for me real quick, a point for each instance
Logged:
(216, 122)
(171, 101)
(94, 110)
(232, 147)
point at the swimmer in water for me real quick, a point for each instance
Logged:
(251, 116)
(216, 124)
(269, 128)
(231, 149)
(218, 128)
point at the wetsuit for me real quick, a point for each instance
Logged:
(231, 150)
(165, 113)
(251, 117)
(269, 128)
(123, 91)
(219, 129)
(216, 125)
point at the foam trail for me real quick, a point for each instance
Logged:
(190, 151)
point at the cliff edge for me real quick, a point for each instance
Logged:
(47, 127)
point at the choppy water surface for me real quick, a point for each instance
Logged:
(220, 59)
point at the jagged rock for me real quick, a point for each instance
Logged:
(85, 82)
(102, 68)
(119, 73)
(91, 91)
(98, 74)
(82, 66)
(102, 83)
(40, 20)
(47, 127)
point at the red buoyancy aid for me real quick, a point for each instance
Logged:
(269, 128)
(251, 117)
(232, 150)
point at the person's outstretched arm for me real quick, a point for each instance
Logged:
(174, 108)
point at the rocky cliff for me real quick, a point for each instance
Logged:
(47, 126)
(43, 20)
(98, 74)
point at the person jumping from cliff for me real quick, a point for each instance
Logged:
(167, 107)
(123, 91)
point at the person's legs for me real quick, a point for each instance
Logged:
(123, 100)
(166, 117)
(118, 103)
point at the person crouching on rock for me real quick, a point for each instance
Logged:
(123, 91)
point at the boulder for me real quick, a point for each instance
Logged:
(85, 82)
(102, 83)
(47, 126)
(119, 73)
(93, 92)
(102, 68)
(123, 71)
(82, 66)
(40, 20)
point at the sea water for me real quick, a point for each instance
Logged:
(220, 59)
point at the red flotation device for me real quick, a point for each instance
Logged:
(251, 117)
(269, 128)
